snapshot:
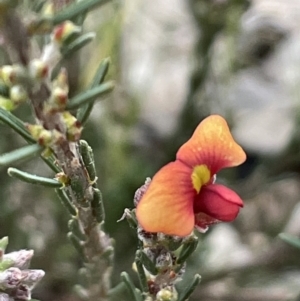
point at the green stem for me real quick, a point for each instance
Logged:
(16, 124)
(290, 239)
(66, 201)
(84, 112)
(78, 44)
(77, 244)
(147, 262)
(51, 164)
(190, 289)
(135, 295)
(118, 289)
(25, 153)
(141, 272)
(32, 179)
(89, 96)
(188, 248)
(76, 9)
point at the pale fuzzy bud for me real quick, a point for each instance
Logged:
(167, 294)
(141, 191)
(4, 297)
(65, 30)
(59, 98)
(18, 94)
(48, 10)
(12, 74)
(74, 127)
(74, 132)
(31, 277)
(148, 238)
(41, 135)
(22, 293)
(57, 101)
(38, 69)
(51, 54)
(57, 137)
(7, 104)
(7, 74)
(164, 260)
(21, 259)
(10, 278)
(61, 80)
(69, 119)
(35, 130)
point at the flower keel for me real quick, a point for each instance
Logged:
(218, 202)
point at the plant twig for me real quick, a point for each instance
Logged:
(33, 179)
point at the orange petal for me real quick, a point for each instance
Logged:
(213, 145)
(218, 202)
(167, 205)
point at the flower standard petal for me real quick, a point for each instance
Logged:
(218, 202)
(167, 205)
(213, 145)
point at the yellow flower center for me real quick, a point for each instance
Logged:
(200, 176)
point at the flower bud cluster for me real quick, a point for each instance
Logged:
(16, 279)
(44, 137)
(16, 80)
(58, 99)
(57, 104)
(13, 93)
(65, 31)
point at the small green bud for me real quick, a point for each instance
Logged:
(74, 127)
(18, 94)
(64, 31)
(62, 178)
(3, 243)
(167, 294)
(12, 74)
(6, 264)
(57, 101)
(7, 104)
(48, 10)
(38, 69)
(61, 81)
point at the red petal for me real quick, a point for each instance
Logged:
(167, 205)
(219, 202)
(202, 221)
(213, 145)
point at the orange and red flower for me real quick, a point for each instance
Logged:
(182, 194)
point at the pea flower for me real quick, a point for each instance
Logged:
(183, 194)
